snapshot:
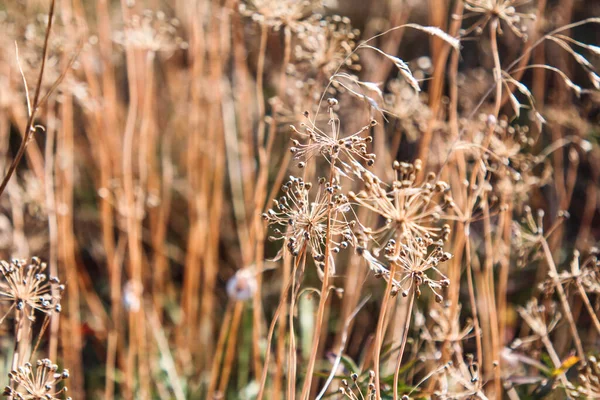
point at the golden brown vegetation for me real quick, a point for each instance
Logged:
(285, 199)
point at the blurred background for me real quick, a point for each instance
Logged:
(169, 136)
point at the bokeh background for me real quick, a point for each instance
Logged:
(169, 135)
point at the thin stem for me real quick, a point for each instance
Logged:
(277, 390)
(324, 293)
(258, 229)
(472, 294)
(563, 298)
(551, 351)
(380, 329)
(502, 296)
(280, 307)
(260, 98)
(409, 308)
(588, 306)
(300, 263)
(52, 222)
(220, 350)
(338, 357)
(231, 342)
(22, 341)
(497, 66)
(30, 129)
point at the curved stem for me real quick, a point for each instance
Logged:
(280, 308)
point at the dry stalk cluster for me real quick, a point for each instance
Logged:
(256, 199)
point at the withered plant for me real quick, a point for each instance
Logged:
(300, 199)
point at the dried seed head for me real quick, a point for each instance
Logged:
(408, 206)
(28, 288)
(306, 221)
(152, 32)
(41, 383)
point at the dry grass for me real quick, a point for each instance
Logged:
(281, 199)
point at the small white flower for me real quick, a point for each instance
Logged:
(242, 285)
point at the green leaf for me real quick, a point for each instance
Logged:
(350, 365)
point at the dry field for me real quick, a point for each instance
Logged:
(300, 199)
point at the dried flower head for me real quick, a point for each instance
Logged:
(414, 259)
(507, 144)
(411, 260)
(588, 381)
(278, 13)
(446, 326)
(325, 45)
(460, 380)
(503, 10)
(585, 274)
(358, 386)
(528, 234)
(541, 320)
(406, 105)
(22, 39)
(303, 223)
(346, 151)
(407, 207)
(27, 288)
(39, 384)
(151, 31)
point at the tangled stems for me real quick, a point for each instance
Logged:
(472, 197)
(411, 260)
(280, 307)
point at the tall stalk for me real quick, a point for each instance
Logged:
(258, 231)
(409, 309)
(563, 298)
(325, 282)
(379, 331)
